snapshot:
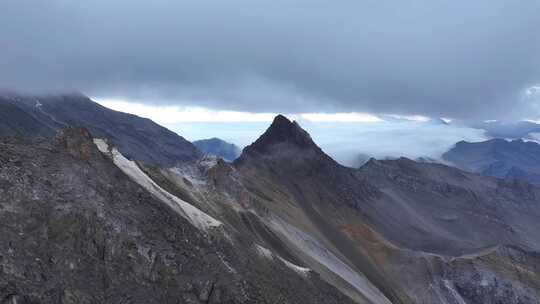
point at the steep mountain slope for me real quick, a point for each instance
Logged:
(218, 147)
(391, 232)
(76, 229)
(285, 160)
(284, 223)
(417, 231)
(15, 121)
(499, 158)
(440, 209)
(137, 138)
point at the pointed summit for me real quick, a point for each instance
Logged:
(285, 144)
(282, 131)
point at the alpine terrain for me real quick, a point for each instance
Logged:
(99, 206)
(516, 159)
(218, 147)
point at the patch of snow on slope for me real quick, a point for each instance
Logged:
(101, 145)
(264, 252)
(300, 270)
(454, 292)
(319, 253)
(197, 217)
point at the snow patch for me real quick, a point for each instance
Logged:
(313, 248)
(300, 270)
(266, 253)
(102, 145)
(197, 217)
(454, 292)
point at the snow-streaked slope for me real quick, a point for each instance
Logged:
(197, 217)
(317, 251)
(459, 299)
(264, 252)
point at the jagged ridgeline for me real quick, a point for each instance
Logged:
(98, 213)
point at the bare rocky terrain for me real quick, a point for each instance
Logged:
(76, 229)
(84, 222)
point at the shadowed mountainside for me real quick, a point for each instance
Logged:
(498, 157)
(138, 138)
(217, 147)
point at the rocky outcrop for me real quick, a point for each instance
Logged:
(76, 229)
(282, 130)
(77, 142)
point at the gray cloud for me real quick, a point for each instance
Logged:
(463, 59)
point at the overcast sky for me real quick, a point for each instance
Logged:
(459, 59)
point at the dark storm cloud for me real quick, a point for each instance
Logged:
(465, 59)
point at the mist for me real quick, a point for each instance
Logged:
(350, 143)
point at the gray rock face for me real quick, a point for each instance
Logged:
(441, 209)
(506, 275)
(217, 147)
(500, 158)
(137, 138)
(420, 232)
(75, 229)
(296, 228)
(282, 131)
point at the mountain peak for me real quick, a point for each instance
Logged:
(282, 131)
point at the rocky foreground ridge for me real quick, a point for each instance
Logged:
(76, 229)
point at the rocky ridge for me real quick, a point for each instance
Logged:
(76, 229)
(295, 227)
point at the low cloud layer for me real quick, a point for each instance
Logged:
(457, 59)
(351, 143)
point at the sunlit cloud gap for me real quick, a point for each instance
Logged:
(181, 114)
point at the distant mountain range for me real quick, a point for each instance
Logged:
(218, 147)
(282, 223)
(138, 138)
(498, 157)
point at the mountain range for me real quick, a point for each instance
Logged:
(87, 220)
(218, 147)
(516, 159)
